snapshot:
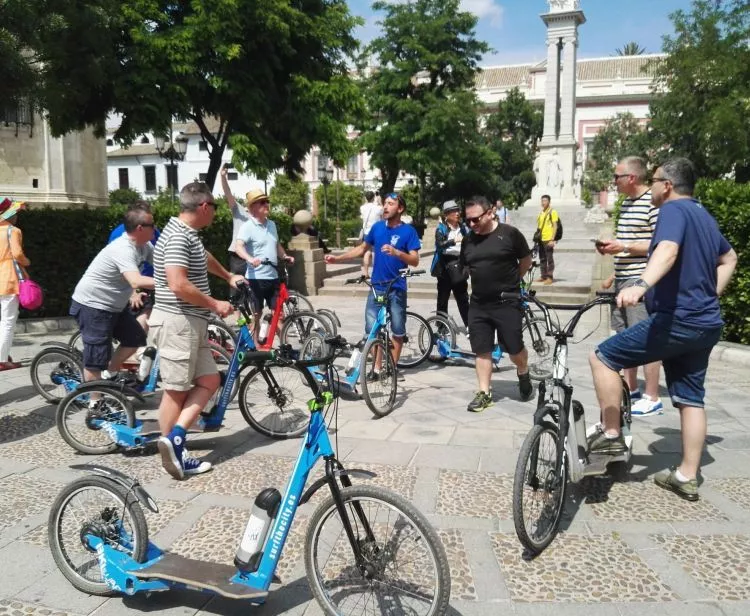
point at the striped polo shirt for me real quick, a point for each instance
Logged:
(637, 223)
(180, 244)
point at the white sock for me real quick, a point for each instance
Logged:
(106, 374)
(679, 476)
(611, 437)
(649, 398)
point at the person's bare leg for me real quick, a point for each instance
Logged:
(651, 374)
(170, 409)
(694, 427)
(366, 261)
(119, 356)
(197, 398)
(483, 367)
(521, 361)
(631, 378)
(608, 392)
(398, 345)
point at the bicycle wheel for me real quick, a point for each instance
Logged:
(300, 325)
(314, 347)
(417, 341)
(273, 400)
(378, 377)
(52, 369)
(76, 342)
(405, 569)
(539, 487)
(79, 419)
(443, 338)
(96, 506)
(221, 334)
(331, 318)
(298, 302)
(538, 347)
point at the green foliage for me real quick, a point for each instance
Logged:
(702, 104)
(621, 136)
(422, 112)
(727, 202)
(327, 228)
(350, 198)
(512, 133)
(586, 196)
(289, 195)
(270, 79)
(617, 209)
(123, 197)
(62, 243)
(630, 49)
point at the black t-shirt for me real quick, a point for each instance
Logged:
(492, 260)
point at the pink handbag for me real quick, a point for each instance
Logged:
(30, 294)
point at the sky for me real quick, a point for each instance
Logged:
(517, 35)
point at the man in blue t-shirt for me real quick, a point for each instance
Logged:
(690, 264)
(395, 245)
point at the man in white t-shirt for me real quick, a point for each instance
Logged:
(371, 213)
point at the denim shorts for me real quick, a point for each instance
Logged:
(398, 312)
(683, 349)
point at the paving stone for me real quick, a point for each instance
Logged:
(462, 581)
(579, 569)
(23, 496)
(15, 426)
(720, 563)
(12, 607)
(476, 495)
(736, 489)
(45, 448)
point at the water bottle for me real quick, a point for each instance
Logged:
(264, 511)
(264, 326)
(354, 359)
(147, 360)
(579, 420)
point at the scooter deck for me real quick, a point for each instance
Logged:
(214, 577)
(150, 428)
(598, 463)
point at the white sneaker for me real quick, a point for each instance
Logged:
(647, 406)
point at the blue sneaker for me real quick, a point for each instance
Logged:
(635, 395)
(172, 449)
(194, 466)
(646, 406)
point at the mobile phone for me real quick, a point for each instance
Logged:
(228, 166)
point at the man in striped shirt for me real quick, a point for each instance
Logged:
(179, 322)
(634, 231)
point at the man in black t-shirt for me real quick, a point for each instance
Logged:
(497, 256)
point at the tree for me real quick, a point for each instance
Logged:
(702, 105)
(512, 133)
(350, 198)
(621, 136)
(270, 79)
(288, 194)
(630, 49)
(421, 112)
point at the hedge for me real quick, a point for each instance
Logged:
(61, 244)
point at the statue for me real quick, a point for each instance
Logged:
(554, 171)
(537, 170)
(560, 6)
(577, 177)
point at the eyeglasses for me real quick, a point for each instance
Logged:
(211, 203)
(617, 176)
(148, 225)
(660, 180)
(471, 220)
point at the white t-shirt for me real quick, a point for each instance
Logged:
(371, 213)
(239, 217)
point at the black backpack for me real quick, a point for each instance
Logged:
(559, 232)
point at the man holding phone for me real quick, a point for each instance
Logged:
(635, 228)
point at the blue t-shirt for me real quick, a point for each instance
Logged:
(385, 267)
(261, 241)
(688, 290)
(146, 269)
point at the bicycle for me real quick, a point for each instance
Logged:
(369, 355)
(364, 545)
(556, 449)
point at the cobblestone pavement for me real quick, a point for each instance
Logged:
(627, 547)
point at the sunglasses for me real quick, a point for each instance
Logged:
(472, 220)
(617, 176)
(396, 197)
(211, 203)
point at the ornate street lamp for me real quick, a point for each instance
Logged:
(325, 175)
(172, 150)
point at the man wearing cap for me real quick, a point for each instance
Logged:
(258, 241)
(445, 264)
(11, 257)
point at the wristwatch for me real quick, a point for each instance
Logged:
(642, 283)
(626, 248)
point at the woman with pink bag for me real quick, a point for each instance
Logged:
(11, 256)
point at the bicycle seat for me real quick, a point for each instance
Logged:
(337, 342)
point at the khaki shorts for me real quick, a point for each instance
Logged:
(184, 354)
(622, 318)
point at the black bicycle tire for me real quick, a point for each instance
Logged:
(436, 358)
(248, 415)
(303, 304)
(387, 365)
(289, 322)
(67, 435)
(327, 509)
(424, 352)
(519, 483)
(537, 327)
(71, 355)
(129, 503)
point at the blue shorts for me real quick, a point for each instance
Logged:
(398, 312)
(683, 349)
(99, 327)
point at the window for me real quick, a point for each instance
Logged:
(123, 177)
(171, 176)
(144, 139)
(149, 177)
(202, 177)
(232, 175)
(203, 146)
(352, 167)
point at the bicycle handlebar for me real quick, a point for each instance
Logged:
(404, 273)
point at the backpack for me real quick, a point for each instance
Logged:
(559, 232)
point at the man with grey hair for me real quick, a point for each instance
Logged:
(179, 323)
(635, 228)
(690, 264)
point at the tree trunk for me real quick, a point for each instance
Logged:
(217, 143)
(389, 175)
